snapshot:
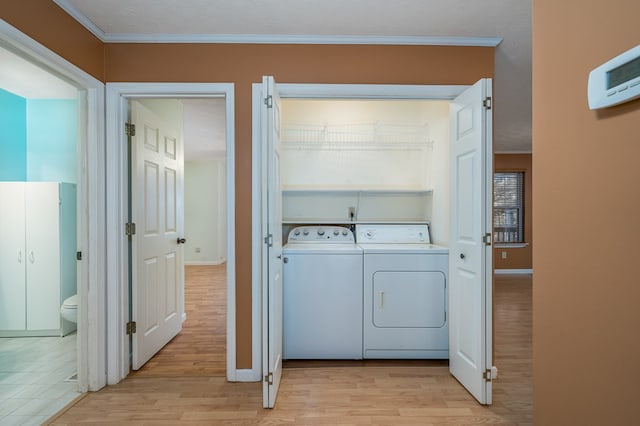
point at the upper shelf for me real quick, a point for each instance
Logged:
(373, 191)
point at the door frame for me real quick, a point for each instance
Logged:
(91, 343)
(117, 294)
(315, 91)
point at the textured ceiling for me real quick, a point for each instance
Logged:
(29, 81)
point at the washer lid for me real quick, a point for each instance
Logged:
(321, 248)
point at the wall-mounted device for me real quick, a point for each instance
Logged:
(616, 81)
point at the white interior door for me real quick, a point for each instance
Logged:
(13, 303)
(156, 209)
(272, 253)
(470, 255)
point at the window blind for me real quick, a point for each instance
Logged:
(508, 207)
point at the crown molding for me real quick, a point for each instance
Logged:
(302, 39)
(68, 7)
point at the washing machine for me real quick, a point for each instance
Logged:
(322, 294)
(405, 292)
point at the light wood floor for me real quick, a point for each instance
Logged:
(360, 393)
(200, 349)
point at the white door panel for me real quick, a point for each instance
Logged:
(272, 312)
(470, 258)
(13, 312)
(43, 255)
(157, 261)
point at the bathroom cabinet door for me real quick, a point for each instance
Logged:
(42, 236)
(37, 257)
(12, 257)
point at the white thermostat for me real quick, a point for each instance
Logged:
(616, 81)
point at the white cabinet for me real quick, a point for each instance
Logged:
(37, 257)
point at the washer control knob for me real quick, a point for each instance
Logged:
(320, 232)
(305, 232)
(297, 232)
(336, 232)
(344, 232)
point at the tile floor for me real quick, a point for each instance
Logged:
(34, 373)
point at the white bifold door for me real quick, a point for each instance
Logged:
(157, 211)
(272, 250)
(470, 275)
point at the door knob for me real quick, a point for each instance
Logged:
(181, 240)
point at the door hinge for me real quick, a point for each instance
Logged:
(487, 375)
(486, 103)
(486, 239)
(78, 255)
(131, 327)
(130, 129)
(268, 378)
(268, 101)
(130, 229)
(268, 240)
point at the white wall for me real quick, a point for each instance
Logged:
(410, 151)
(204, 208)
(438, 111)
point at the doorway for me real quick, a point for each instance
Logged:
(75, 160)
(470, 165)
(118, 98)
(178, 252)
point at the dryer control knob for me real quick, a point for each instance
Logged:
(297, 232)
(344, 232)
(320, 231)
(336, 232)
(305, 232)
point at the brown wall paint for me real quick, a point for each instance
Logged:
(517, 258)
(246, 64)
(586, 215)
(48, 24)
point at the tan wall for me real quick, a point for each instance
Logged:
(245, 64)
(517, 258)
(586, 212)
(45, 22)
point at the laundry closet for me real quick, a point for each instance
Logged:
(365, 217)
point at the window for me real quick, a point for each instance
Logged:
(508, 206)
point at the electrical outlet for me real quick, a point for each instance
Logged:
(504, 254)
(197, 249)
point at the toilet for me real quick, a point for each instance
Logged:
(69, 309)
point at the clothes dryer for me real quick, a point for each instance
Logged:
(405, 292)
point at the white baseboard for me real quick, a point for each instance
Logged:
(513, 271)
(204, 262)
(248, 375)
